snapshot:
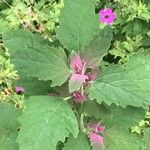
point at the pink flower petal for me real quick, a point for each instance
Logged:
(19, 89)
(92, 75)
(78, 77)
(76, 63)
(95, 138)
(96, 127)
(76, 81)
(78, 97)
(107, 16)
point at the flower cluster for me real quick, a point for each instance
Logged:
(95, 130)
(80, 77)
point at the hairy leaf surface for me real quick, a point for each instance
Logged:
(44, 62)
(46, 120)
(17, 40)
(125, 86)
(78, 24)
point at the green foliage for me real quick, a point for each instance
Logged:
(9, 116)
(124, 86)
(37, 16)
(97, 48)
(117, 128)
(120, 139)
(44, 123)
(131, 116)
(23, 39)
(137, 10)
(43, 62)
(6, 140)
(53, 122)
(33, 86)
(80, 142)
(78, 24)
(133, 17)
(125, 49)
(7, 71)
(8, 127)
(37, 60)
(93, 109)
(146, 138)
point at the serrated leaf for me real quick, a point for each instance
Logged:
(146, 139)
(33, 86)
(45, 122)
(44, 62)
(125, 86)
(97, 48)
(81, 142)
(78, 24)
(16, 40)
(116, 138)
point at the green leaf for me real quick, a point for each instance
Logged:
(146, 139)
(6, 142)
(46, 120)
(116, 138)
(91, 108)
(8, 117)
(17, 40)
(124, 118)
(125, 86)
(117, 127)
(97, 47)
(8, 127)
(44, 62)
(81, 142)
(78, 24)
(33, 86)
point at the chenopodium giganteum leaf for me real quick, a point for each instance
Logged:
(78, 24)
(129, 85)
(45, 121)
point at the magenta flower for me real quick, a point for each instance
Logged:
(76, 63)
(19, 89)
(92, 75)
(80, 77)
(95, 127)
(107, 16)
(95, 138)
(78, 97)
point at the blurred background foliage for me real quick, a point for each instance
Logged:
(131, 34)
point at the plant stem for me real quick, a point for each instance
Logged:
(82, 119)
